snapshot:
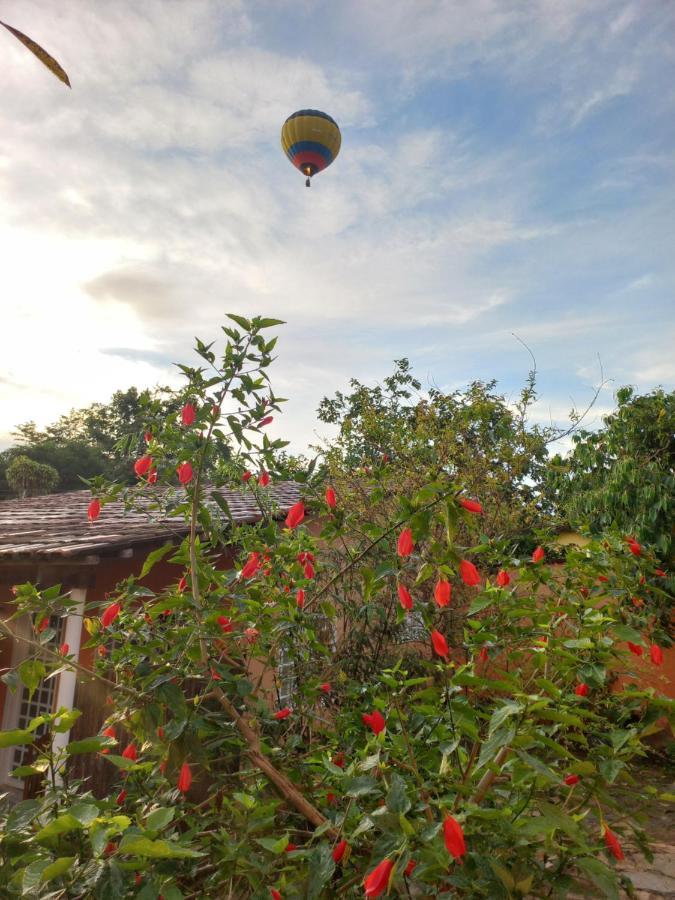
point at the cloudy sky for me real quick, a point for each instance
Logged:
(507, 166)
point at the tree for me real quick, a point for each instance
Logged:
(623, 475)
(27, 478)
(487, 768)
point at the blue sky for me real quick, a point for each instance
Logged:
(506, 167)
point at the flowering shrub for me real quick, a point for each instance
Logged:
(402, 754)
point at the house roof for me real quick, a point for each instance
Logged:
(55, 526)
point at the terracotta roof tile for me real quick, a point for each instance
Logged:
(56, 525)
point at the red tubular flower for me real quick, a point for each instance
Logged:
(300, 599)
(188, 414)
(612, 842)
(538, 555)
(130, 752)
(454, 837)
(247, 476)
(110, 732)
(483, 656)
(635, 649)
(182, 584)
(94, 509)
(325, 688)
(184, 778)
(472, 506)
(251, 566)
(660, 573)
(404, 597)
(148, 436)
(469, 573)
(121, 797)
(581, 690)
(656, 654)
(377, 881)
(184, 472)
(571, 780)
(410, 868)
(264, 478)
(225, 624)
(152, 477)
(440, 644)
(283, 713)
(275, 894)
(375, 721)
(143, 465)
(442, 592)
(63, 649)
(503, 578)
(44, 624)
(265, 421)
(295, 515)
(635, 548)
(309, 570)
(405, 544)
(110, 614)
(331, 499)
(339, 851)
(603, 578)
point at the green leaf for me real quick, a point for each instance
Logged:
(397, 798)
(87, 745)
(240, 321)
(154, 557)
(16, 737)
(499, 716)
(160, 818)
(31, 673)
(321, 868)
(601, 875)
(495, 742)
(32, 878)
(137, 845)
(85, 813)
(503, 874)
(61, 825)
(21, 815)
(65, 718)
(481, 603)
(58, 867)
(269, 323)
(360, 786)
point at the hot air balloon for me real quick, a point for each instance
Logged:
(311, 140)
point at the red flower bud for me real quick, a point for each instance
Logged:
(275, 894)
(581, 690)
(472, 506)
(331, 499)
(94, 509)
(283, 713)
(184, 779)
(225, 624)
(291, 847)
(264, 478)
(188, 414)
(63, 649)
(375, 721)
(377, 881)
(405, 544)
(309, 570)
(656, 654)
(454, 837)
(252, 565)
(148, 436)
(339, 851)
(184, 471)
(160, 733)
(404, 597)
(300, 599)
(246, 476)
(483, 656)
(635, 548)
(295, 515)
(538, 555)
(612, 843)
(440, 644)
(130, 752)
(44, 624)
(110, 614)
(331, 799)
(109, 732)
(410, 868)
(121, 797)
(469, 573)
(265, 421)
(571, 780)
(442, 592)
(503, 578)
(143, 465)
(182, 584)
(339, 760)
(325, 687)
(635, 649)
(660, 573)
